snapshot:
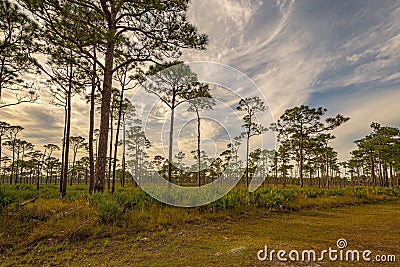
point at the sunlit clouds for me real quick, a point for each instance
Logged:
(343, 55)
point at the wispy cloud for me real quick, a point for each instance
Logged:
(340, 54)
(315, 52)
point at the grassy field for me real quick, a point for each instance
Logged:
(102, 230)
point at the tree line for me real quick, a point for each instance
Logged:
(375, 162)
(104, 48)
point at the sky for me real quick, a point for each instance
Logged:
(339, 54)
(342, 55)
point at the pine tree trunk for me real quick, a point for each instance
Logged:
(38, 177)
(391, 176)
(284, 175)
(123, 154)
(67, 136)
(104, 120)
(16, 169)
(373, 171)
(171, 138)
(73, 169)
(121, 101)
(63, 148)
(111, 146)
(247, 159)
(301, 161)
(12, 163)
(137, 165)
(198, 149)
(380, 167)
(91, 126)
(47, 176)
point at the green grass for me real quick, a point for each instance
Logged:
(223, 239)
(104, 230)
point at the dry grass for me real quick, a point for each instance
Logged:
(51, 232)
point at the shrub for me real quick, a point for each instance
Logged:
(359, 192)
(24, 191)
(110, 208)
(228, 201)
(275, 199)
(107, 208)
(310, 193)
(49, 192)
(334, 192)
(7, 198)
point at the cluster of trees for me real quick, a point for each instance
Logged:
(89, 46)
(304, 155)
(304, 152)
(304, 138)
(376, 161)
(102, 49)
(25, 164)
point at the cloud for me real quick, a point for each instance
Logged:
(340, 54)
(228, 19)
(44, 123)
(315, 52)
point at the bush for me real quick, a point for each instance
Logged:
(359, 192)
(275, 199)
(310, 192)
(228, 201)
(23, 191)
(110, 208)
(49, 192)
(109, 211)
(7, 198)
(333, 192)
(107, 208)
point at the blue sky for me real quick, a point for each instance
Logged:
(340, 54)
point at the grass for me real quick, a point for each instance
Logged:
(103, 230)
